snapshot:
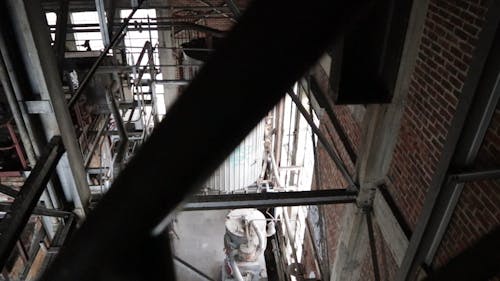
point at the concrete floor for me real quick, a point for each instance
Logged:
(200, 242)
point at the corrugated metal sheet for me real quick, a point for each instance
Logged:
(243, 167)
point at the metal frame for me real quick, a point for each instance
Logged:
(270, 199)
(38, 210)
(116, 38)
(475, 175)
(16, 218)
(228, 97)
(322, 139)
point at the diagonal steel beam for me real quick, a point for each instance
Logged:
(14, 221)
(38, 210)
(9, 191)
(322, 139)
(234, 8)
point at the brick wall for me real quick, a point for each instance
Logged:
(450, 34)
(478, 210)
(327, 176)
(387, 264)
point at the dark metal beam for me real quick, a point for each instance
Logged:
(270, 199)
(38, 210)
(476, 105)
(9, 191)
(122, 149)
(323, 101)
(61, 30)
(192, 268)
(14, 221)
(160, 25)
(322, 139)
(477, 175)
(228, 97)
(96, 142)
(373, 245)
(234, 8)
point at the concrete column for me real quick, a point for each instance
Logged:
(380, 127)
(352, 246)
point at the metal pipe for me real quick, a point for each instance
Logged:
(322, 139)
(288, 229)
(276, 171)
(38, 210)
(123, 145)
(234, 266)
(13, 91)
(260, 247)
(60, 33)
(16, 113)
(179, 82)
(475, 175)
(104, 53)
(101, 15)
(96, 142)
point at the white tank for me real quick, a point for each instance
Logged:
(244, 244)
(243, 167)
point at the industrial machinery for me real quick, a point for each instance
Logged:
(244, 243)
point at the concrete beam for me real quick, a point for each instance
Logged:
(352, 246)
(390, 228)
(380, 127)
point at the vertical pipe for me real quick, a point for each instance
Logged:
(122, 147)
(60, 36)
(16, 113)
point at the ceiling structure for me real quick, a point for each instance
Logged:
(365, 136)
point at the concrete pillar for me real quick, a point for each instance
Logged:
(352, 246)
(380, 127)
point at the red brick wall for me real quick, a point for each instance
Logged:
(328, 176)
(478, 210)
(450, 33)
(386, 263)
